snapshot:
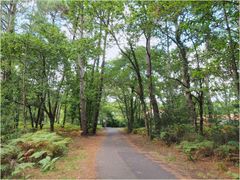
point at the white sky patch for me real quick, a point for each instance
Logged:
(113, 51)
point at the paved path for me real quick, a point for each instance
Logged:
(118, 160)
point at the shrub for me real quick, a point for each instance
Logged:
(176, 133)
(221, 134)
(140, 131)
(228, 151)
(195, 150)
(9, 152)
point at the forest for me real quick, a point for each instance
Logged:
(167, 71)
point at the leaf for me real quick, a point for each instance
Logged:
(21, 167)
(47, 163)
(38, 154)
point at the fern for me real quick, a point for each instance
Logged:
(47, 163)
(42, 144)
(19, 169)
(38, 154)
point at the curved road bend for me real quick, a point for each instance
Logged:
(118, 160)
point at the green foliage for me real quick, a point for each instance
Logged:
(140, 131)
(9, 152)
(195, 150)
(176, 133)
(48, 163)
(233, 175)
(38, 154)
(221, 166)
(31, 148)
(19, 169)
(222, 134)
(228, 151)
(53, 143)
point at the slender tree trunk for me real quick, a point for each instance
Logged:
(42, 116)
(201, 101)
(132, 111)
(208, 100)
(12, 10)
(234, 62)
(186, 79)
(58, 113)
(31, 116)
(17, 117)
(38, 116)
(64, 115)
(207, 93)
(82, 98)
(152, 97)
(12, 15)
(52, 119)
(81, 62)
(24, 96)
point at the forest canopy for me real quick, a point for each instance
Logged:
(160, 68)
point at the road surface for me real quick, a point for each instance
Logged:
(117, 159)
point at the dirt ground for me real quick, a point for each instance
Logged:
(175, 161)
(79, 163)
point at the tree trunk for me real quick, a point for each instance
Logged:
(82, 98)
(131, 113)
(208, 100)
(31, 116)
(12, 14)
(41, 120)
(99, 94)
(12, 9)
(64, 115)
(201, 101)
(58, 113)
(52, 119)
(134, 62)
(186, 79)
(17, 117)
(81, 62)
(152, 97)
(24, 96)
(234, 62)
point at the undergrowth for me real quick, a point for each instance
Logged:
(219, 140)
(39, 149)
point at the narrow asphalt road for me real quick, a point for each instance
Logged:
(118, 160)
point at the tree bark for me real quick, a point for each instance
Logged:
(64, 115)
(186, 78)
(234, 62)
(81, 63)
(31, 116)
(99, 94)
(152, 97)
(82, 98)
(24, 96)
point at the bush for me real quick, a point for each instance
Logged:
(176, 133)
(140, 131)
(221, 134)
(228, 151)
(195, 150)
